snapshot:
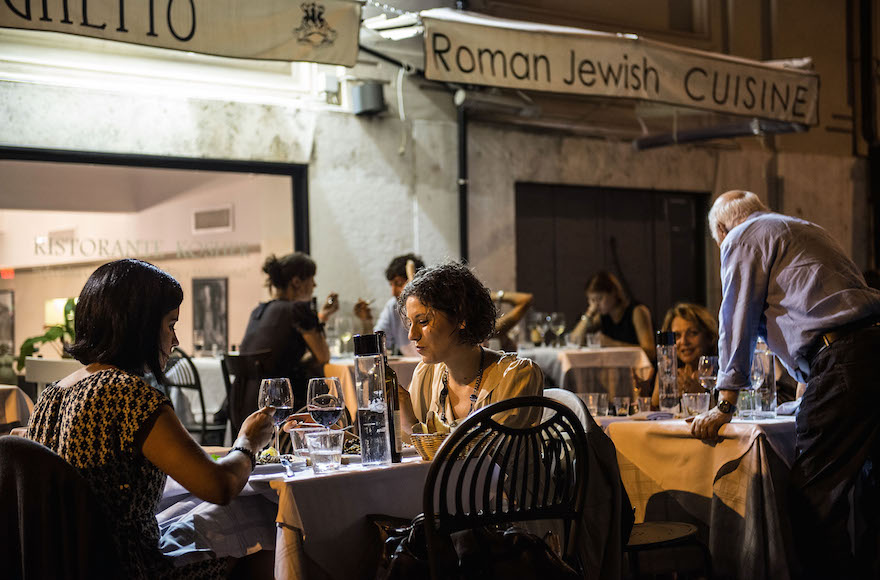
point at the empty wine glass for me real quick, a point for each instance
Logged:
(276, 393)
(707, 371)
(325, 400)
(758, 374)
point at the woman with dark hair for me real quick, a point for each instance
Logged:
(610, 312)
(696, 335)
(289, 328)
(450, 314)
(122, 434)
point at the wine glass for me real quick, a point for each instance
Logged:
(276, 393)
(757, 374)
(198, 342)
(707, 371)
(557, 325)
(325, 400)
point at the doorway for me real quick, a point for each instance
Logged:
(654, 241)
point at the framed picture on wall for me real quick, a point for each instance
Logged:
(209, 315)
(7, 321)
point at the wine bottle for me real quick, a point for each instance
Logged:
(393, 402)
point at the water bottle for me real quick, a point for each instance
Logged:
(765, 389)
(667, 368)
(393, 401)
(372, 413)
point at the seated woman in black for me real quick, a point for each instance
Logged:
(610, 312)
(289, 328)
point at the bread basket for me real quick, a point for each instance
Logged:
(427, 444)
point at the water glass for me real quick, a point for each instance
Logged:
(594, 340)
(747, 404)
(621, 406)
(298, 439)
(644, 404)
(695, 403)
(597, 403)
(325, 449)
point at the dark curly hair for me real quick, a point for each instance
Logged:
(118, 315)
(453, 289)
(284, 269)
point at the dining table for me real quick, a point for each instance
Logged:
(15, 408)
(343, 369)
(733, 489)
(590, 370)
(317, 524)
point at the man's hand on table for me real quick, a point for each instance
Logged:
(706, 426)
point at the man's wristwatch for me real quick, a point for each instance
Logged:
(726, 407)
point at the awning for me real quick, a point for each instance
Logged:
(616, 85)
(323, 32)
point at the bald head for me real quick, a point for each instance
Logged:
(731, 209)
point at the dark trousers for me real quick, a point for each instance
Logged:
(834, 478)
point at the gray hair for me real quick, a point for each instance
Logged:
(730, 210)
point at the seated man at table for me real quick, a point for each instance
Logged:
(390, 321)
(788, 280)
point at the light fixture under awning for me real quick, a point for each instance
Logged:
(469, 48)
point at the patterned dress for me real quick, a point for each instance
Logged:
(99, 425)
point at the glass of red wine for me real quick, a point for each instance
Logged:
(276, 393)
(325, 401)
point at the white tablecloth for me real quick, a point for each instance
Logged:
(607, 369)
(321, 520)
(15, 407)
(343, 368)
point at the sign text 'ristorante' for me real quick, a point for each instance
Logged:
(465, 48)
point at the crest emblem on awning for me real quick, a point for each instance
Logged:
(314, 30)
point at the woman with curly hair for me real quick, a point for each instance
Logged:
(449, 314)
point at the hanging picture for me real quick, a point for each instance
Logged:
(209, 315)
(7, 322)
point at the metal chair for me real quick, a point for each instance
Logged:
(487, 473)
(181, 372)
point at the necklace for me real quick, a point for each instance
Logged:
(444, 392)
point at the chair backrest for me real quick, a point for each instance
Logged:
(574, 403)
(52, 524)
(488, 473)
(181, 372)
(248, 369)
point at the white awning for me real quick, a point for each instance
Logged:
(323, 32)
(468, 48)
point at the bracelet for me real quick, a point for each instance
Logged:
(251, 455)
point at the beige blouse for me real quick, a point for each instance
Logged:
(508, 377)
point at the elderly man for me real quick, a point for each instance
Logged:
(786, 279)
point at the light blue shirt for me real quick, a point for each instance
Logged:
(789, 281)
(396, 333)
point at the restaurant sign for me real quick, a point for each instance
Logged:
(324, 32)
(464, 47)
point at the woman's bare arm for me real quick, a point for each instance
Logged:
(171, 448)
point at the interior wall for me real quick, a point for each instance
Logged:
(262, 226)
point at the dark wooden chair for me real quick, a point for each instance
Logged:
(53, 525)
(248, 369)
(181, 372)
(489, 474)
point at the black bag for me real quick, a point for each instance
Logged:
(479, 554)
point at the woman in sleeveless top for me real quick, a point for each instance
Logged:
(618, 320)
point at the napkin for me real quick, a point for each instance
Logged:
(659, 416)
(788, 408)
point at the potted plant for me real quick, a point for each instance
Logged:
(54, 334)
